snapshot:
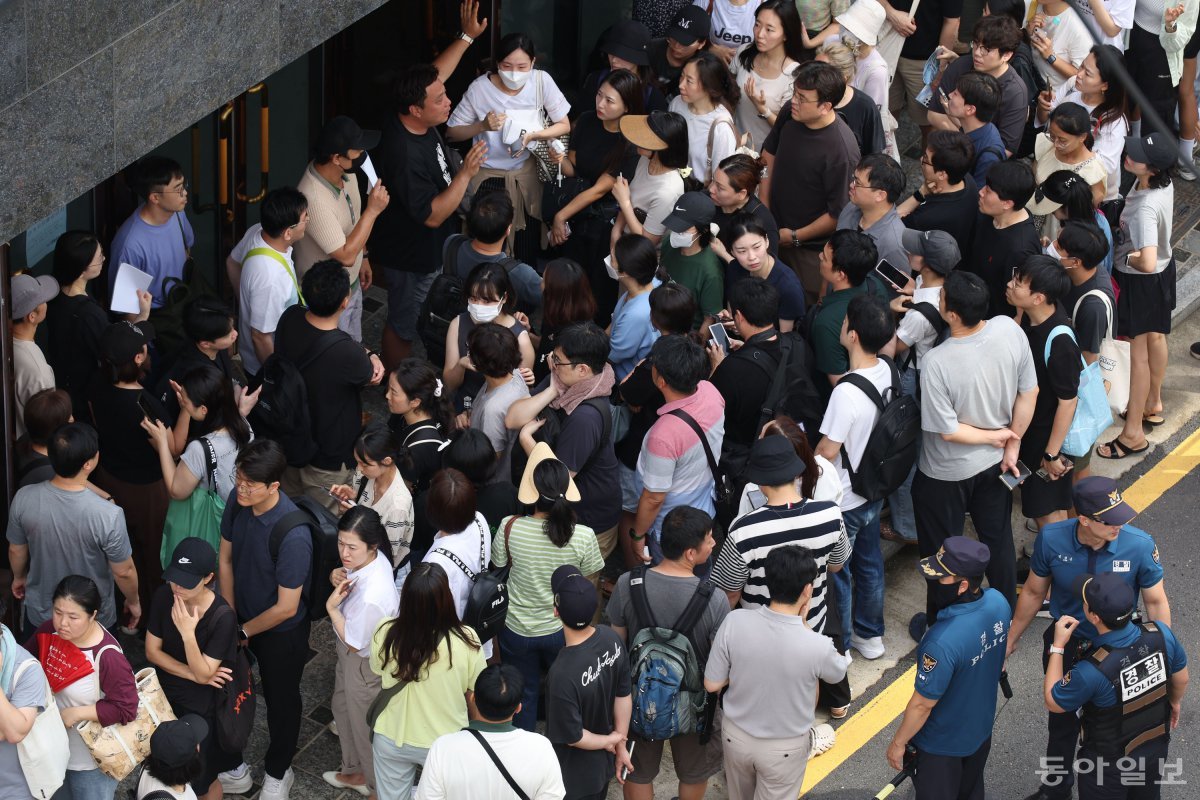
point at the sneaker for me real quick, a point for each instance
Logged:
(236, 781)
(333, 728)
(277, 788)
(1196, 350)
(333, 780)
(1185, 172)
(822, 738)
(870, 649)
(1044, 611)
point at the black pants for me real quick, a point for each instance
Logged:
(281, 657)
(1136, 778)
(951, 777)
(1147, 64)
(941, 507)
(834, 695)
(1063, 728)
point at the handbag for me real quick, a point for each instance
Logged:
(118, 749)
(198, 515)
(547, 170)
(1092, 416)
(44, 751)
(1113, 358)
(487, 601)
(236, 702)
(381, 701)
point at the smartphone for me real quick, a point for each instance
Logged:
(145, 407)
(350, 503)
(945, 100)
(625, 770)
(898, 279)
(1013, 481)
(720, 336)
(1062, 459)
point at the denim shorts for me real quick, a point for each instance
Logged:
(406, 293)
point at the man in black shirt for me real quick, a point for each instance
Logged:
(1004, 231)
(935, 23)
(335, 368)
(208, 323)
(687, 36)
(948, 198)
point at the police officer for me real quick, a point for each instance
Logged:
(960, 658)
(1129, 686)
(1099, 540)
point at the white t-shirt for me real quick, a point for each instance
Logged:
(482, 97)
(148, 783)
(654, 194)
(1072, 41)
(732, 26)
(266, 290)
(724, 141)
(31, 374)
(849, 419)
(372, 600)
(1121, 12)
(458, 767)
(465, 545)
(914, 330)
(778, 91)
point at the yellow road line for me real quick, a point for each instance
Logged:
(885, 707)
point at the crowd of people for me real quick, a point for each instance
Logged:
(695, 335)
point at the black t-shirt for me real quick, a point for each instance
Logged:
(929, 18)
(125, 451)
(996, 253)
(415, 169)
(73, 329)
(334, 380)
(652, 98)
(812, 169)
(581, 686)
(744, 383)
(420, 456)
(582, 438)
(952, 212)
(32, 467)
(638, 390)
(594, 150)
(665, 74)
(216, 635)
(861, 115)
(1014, 100)
(188, 360)
(1091, 321)
(1058, 380)
(761, 213)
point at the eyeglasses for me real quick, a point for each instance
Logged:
(183, 189)
(799, 98)
(925, 160)
(980, 48)
(555, 362)
(855, 183)
(245, 487)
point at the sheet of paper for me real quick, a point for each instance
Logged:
(129, 281)
(368, 169)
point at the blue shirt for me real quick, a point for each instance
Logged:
(256, 578)
(160, 250)
(958, 664)
(632, 334)
(1084, 683)
(1059, 555)
(989, 148)
(1107, 264)
(791, 291)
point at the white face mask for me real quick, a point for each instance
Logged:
(612, 271)
(1052, 251)
(481, 313)
(682, 240)
(514, 80)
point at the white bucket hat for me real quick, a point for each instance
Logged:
(864, 19)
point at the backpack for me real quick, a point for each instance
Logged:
(487, 602)
(793, 390)
(445, 299)
(556, 419)
(282, 411)
(940, 327)
(322, 527)
(894, 443)
(236, 701)
(170, 338)
(668, 683)
(157, 794)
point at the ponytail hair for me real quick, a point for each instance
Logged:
(421, 382)
(1073, 119)
(365, 523)
(744, 172)
(551, 479)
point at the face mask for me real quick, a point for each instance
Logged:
(1052, 251)
(944, 594)
(481, 313)
(514, 80)
(682, 240)
(612, 271)
(358, 162)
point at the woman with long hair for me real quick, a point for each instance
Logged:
(645, 199)
(706, 101)
(634, 265)
(422, 418)
(1067, 197)
(734, 188)
(1067, 144)
(536, 545)
(364, 595)
(763, 69)
(860, 25)
(568, 297)
(437, 659)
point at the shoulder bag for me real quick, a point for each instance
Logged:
(1092, 415)
(197, 515)
(44, 751)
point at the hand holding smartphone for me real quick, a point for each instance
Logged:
(893, 276)
(144, 405)
(1013, 481)
(720, 336)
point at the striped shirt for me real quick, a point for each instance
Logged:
(534, 559)
(814, 525)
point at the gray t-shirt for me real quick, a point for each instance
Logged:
(1146, 222)
(226, 450)
(668, 596)
(28, 692)
(772, 662)
(973, 380)
(68, 533)
(886, 233)
(487, 415)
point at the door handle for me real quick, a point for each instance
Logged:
(264, 145)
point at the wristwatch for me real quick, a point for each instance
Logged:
(1050, 456)
(1059, 650)
(795, 240)
(242, 634)
(467, 39)
(1050, 59)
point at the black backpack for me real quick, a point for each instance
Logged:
(322, 526)
(487, 602)
(895, 440)
(940, 327)
(445, 300)
(282, 410)
(793, 390)
(235, 706)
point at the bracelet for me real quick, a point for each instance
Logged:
(1057, 650)
(795, 240)
(468, 39)
(634, 537)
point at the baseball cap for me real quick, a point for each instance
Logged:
(574, 597)
(29, 292)
(1098, 498)
(690, 26)
(193, 560)
(692, 210)
(1158, 150)
(123, 340)
(527, 492)
(636, 128)
(938, 248)
(174, 742)
(773, 462)
(342, 134)
(627, 40)
(1107, 595)
(1052, 193)
(959, 557)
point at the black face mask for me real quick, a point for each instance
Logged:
(946, 594)
(358, 162)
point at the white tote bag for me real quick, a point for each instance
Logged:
(891, 43)
(44, 750)
(1114, 358)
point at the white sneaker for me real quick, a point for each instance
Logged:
(277, 788)
(1185, 172)
(236, 781)
(822, 738)
(870, 649)
(333, 728)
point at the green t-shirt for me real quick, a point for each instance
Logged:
(702, 273)
(831, 357)
(534, 559)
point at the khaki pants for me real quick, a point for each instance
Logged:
(315, 482)
(907, 84)
(607, 540)
(763, 769)
(354, 687)
(806, 263)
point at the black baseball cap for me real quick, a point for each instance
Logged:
(174, 742)
(958, 557)
(1098, 498)
(193, 560)
(1107, 595)
(938, 248)
(692, 25)
(692, 210)
(341, 135)
(773, 462)
(627, 40)
(574, 597)
(1158, 150)
(122, 341)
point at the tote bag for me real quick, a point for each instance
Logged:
(118, 749)
(1092, 416)
(198, 515)
(44, 751)
(1113, 358)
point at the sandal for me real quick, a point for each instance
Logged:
(1117, 449)
(1149, 420)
